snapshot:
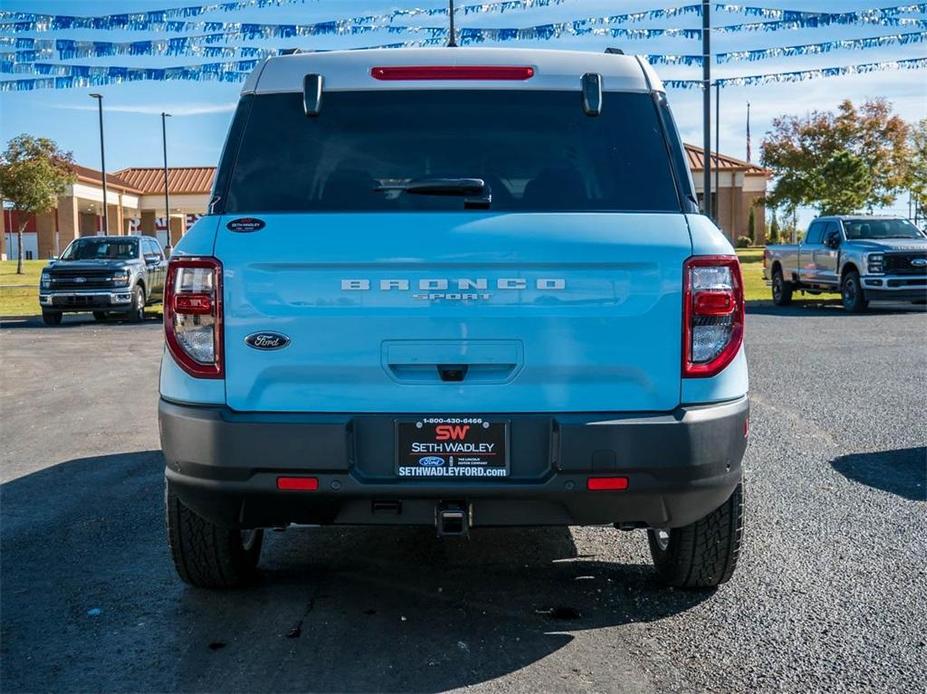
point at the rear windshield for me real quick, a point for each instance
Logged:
(536, 150)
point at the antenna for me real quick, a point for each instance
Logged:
(452, 38)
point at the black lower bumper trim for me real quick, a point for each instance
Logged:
(680, 466)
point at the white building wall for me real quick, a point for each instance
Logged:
(30, 246)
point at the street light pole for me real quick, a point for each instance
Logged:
(706, 102)
(717, 210)
(99, 98)
(167, 196)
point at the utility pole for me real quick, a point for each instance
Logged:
(718, 153)
(706, 103)
(452, 38)
(99, 98)
(749, 153)
(167, 196)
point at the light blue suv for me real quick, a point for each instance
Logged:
(456, 288)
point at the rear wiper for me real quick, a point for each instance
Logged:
(476, 191)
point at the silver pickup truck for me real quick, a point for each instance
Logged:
(862, 258)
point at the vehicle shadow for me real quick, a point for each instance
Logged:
(830, 308)
(72, 321)
(902, 472)
(90, 600)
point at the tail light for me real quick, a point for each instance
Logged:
(713, 314)
(193, 315)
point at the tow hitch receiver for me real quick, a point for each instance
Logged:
(452, 518)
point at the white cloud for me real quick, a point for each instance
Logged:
(156, 110)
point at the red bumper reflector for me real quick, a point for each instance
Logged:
(602, 484)
(714, 303)
(300, 484)
(453, 72)
(191, 304)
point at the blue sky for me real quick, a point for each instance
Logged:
(202, 109)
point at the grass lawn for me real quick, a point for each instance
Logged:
(19, 294)
(751, 265)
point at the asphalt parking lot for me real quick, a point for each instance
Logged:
(830, 593)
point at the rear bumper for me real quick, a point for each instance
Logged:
(680, 466)
(62, 301)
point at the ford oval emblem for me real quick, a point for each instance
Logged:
(919, 262)
(245, 224)
(267, 341)
(431, 461)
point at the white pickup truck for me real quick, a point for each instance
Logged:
(862, 257)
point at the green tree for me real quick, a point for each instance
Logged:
(33, 173)
(845, 184)
(799, 150)
(751, 227)
(917, 164)
(773, 236)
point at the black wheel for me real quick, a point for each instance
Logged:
(207, 555)
(50, 318)
(704, 553)
(100, 316)
(781, 290)
(851, 291)
(137, 314)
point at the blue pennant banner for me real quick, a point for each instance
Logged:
(814, 23)
(825, 47)
(868, 16)
(172, 19)
(73, 76)
(802, 75)
(175, 19)
(93, 71)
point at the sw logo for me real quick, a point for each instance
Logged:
(445, 432)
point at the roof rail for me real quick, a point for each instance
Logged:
(289, 51)
(614, 51)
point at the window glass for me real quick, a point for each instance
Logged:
(815, 233)
(536, 150)
(102, 248)
(880, 229)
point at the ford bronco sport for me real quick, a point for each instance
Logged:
(455, 288)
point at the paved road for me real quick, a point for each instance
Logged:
(830, 593)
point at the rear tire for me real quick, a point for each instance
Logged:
(781, 290)
(207, 555)
(851, 292)
(50, 318)
(703, 554)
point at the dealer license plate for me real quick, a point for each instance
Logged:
(452, 447)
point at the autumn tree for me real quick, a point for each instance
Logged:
(918, 165)
(818, 160)
(33, 173)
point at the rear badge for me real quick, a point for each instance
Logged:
(267, 341)
(245, 224)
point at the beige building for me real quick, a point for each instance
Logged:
(741, 187)
(135, 204)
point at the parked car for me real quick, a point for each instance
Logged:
(863, 258)
(454, 288)
(104, 274)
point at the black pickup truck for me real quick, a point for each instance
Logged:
(104, 274)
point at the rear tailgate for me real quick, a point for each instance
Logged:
(597, 326)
